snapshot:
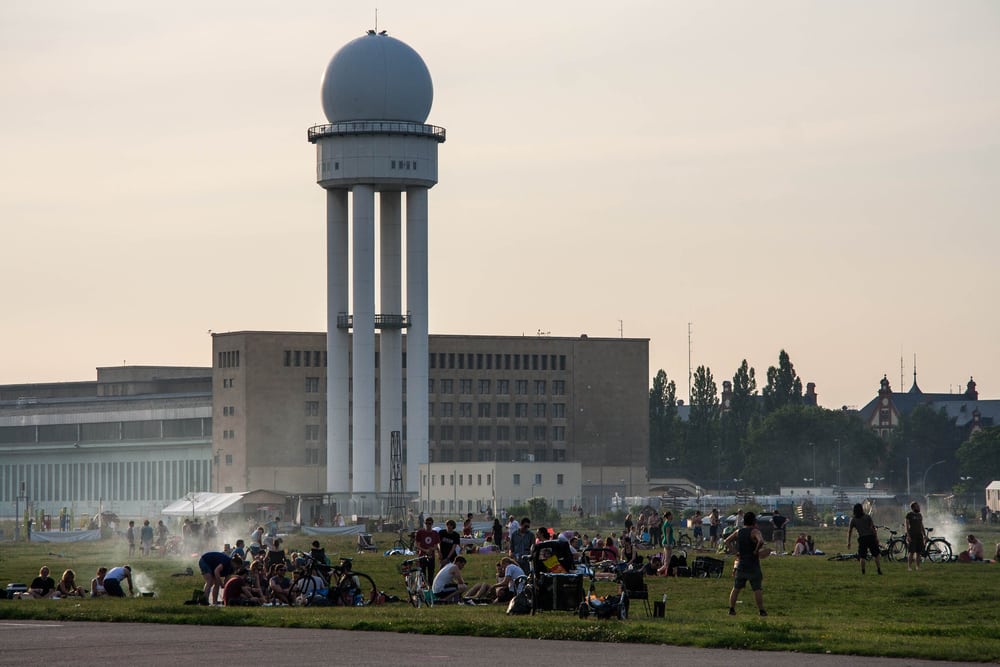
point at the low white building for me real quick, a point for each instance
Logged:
(457, 488)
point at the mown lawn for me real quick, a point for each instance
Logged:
(948, 611)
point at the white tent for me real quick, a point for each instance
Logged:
(203, 504)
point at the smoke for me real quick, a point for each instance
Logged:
(143, 582)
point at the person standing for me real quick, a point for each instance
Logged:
(450, 542)
(867, 537)
(130, 538)
(113, 581)
(914, 537)
(426, 541)
(146, 538)
(161, 537)
(521, 541)
(713, 527)
(668, 537)
(779, 521)
(750, 549)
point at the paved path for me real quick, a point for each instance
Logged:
(102, 644)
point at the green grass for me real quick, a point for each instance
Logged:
(946, 611)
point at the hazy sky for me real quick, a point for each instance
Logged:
(822, 177)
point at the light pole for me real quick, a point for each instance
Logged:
(923, 484)
(21, 495)
(812, 445)
(837, 440)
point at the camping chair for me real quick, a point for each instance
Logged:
(366, 543)
(635, 588)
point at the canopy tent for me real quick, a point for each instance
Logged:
(203, 504)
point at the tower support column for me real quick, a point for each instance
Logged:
(416, 337)
(390, 337)
(363, 357)
(338, 341)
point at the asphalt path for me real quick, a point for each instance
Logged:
(77, 643)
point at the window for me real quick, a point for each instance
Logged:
(558, 454)
(312, 431)
(430, 383)
(503, 410)
(465, 433)
(558, 434)
(541, 454)
(447, 387)
(229, 459)
(539, 434)
(484, 409)
(489, 479)
(447, 433)
(485, 454)
(484, 433)
(559, 410)
(520, 409)
(461, 480)
(517, 479)
(523, 455)
(312, 385)
(503, 433)
(521, 434)
(484, 386)
(430, 409)
(539, 387)
(447, 409)
(540, 410)
(520, 387)
(538, 478)
(558, 387)
(559, 478)
(312, 456)
(503, 387)
(479, 480)
(465, 409)
(312, 408)
(465, 386)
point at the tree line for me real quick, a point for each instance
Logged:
(773, 437)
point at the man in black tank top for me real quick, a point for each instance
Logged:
(749, 543)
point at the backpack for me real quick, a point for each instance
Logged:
(520, 604)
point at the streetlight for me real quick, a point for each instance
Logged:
(923, 484)
(837, 440)
(812, 445)
(21, 495)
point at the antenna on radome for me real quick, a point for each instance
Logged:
(689, 363)
(621, 328)
(376, 19)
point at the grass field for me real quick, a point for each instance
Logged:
(945, 611)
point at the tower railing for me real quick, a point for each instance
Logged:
(382, 321)
(353, 127)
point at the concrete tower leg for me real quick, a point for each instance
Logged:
(338, 341)
(390, 338)
(363, 366)
(416, 337)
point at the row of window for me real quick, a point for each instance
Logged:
(484, 455)
(228, 410)
(146, 429)
(466, 479)
(484, 433)
(502, 410)
(484, 386)
(110, 480)
(230, 359)
(501, 362)
(308, 358)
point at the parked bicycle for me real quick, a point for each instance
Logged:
(344, 585)
(406, 540)
(418, 590)
(936, 549)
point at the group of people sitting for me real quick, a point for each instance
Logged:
(105, 583)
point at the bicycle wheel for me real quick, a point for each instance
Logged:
(356, 589)
(415, 588)
(684, 541)
(305, 586)
(938, 551)
(897, 550)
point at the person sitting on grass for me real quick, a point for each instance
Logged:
(237, 591)
(509, 583)
(113, 581)
(257, 579)
(97, 583)
(67, 585)
(801, 546)
(449, 585)
(280, 585)
(43, 586)
(976, 550)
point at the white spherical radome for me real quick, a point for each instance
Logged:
(377, 77)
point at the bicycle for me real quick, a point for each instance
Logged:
(936, 549)
(344, 585)
(895, 548)
(406, 540)
(417, 589)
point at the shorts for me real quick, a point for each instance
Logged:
(204, 566)
(778, 535)
(713, 531)
(754, 577)
(867, 544)
(446, 592)
(698, 531)
(113, 587)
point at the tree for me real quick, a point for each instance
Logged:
(924, 437)
(703, 420)
(735, 422)
(783, 386)
(979, 456)
(663, 422)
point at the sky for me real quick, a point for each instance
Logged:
(818, 177)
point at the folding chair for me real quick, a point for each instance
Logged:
(634, 585)
(365, 543)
